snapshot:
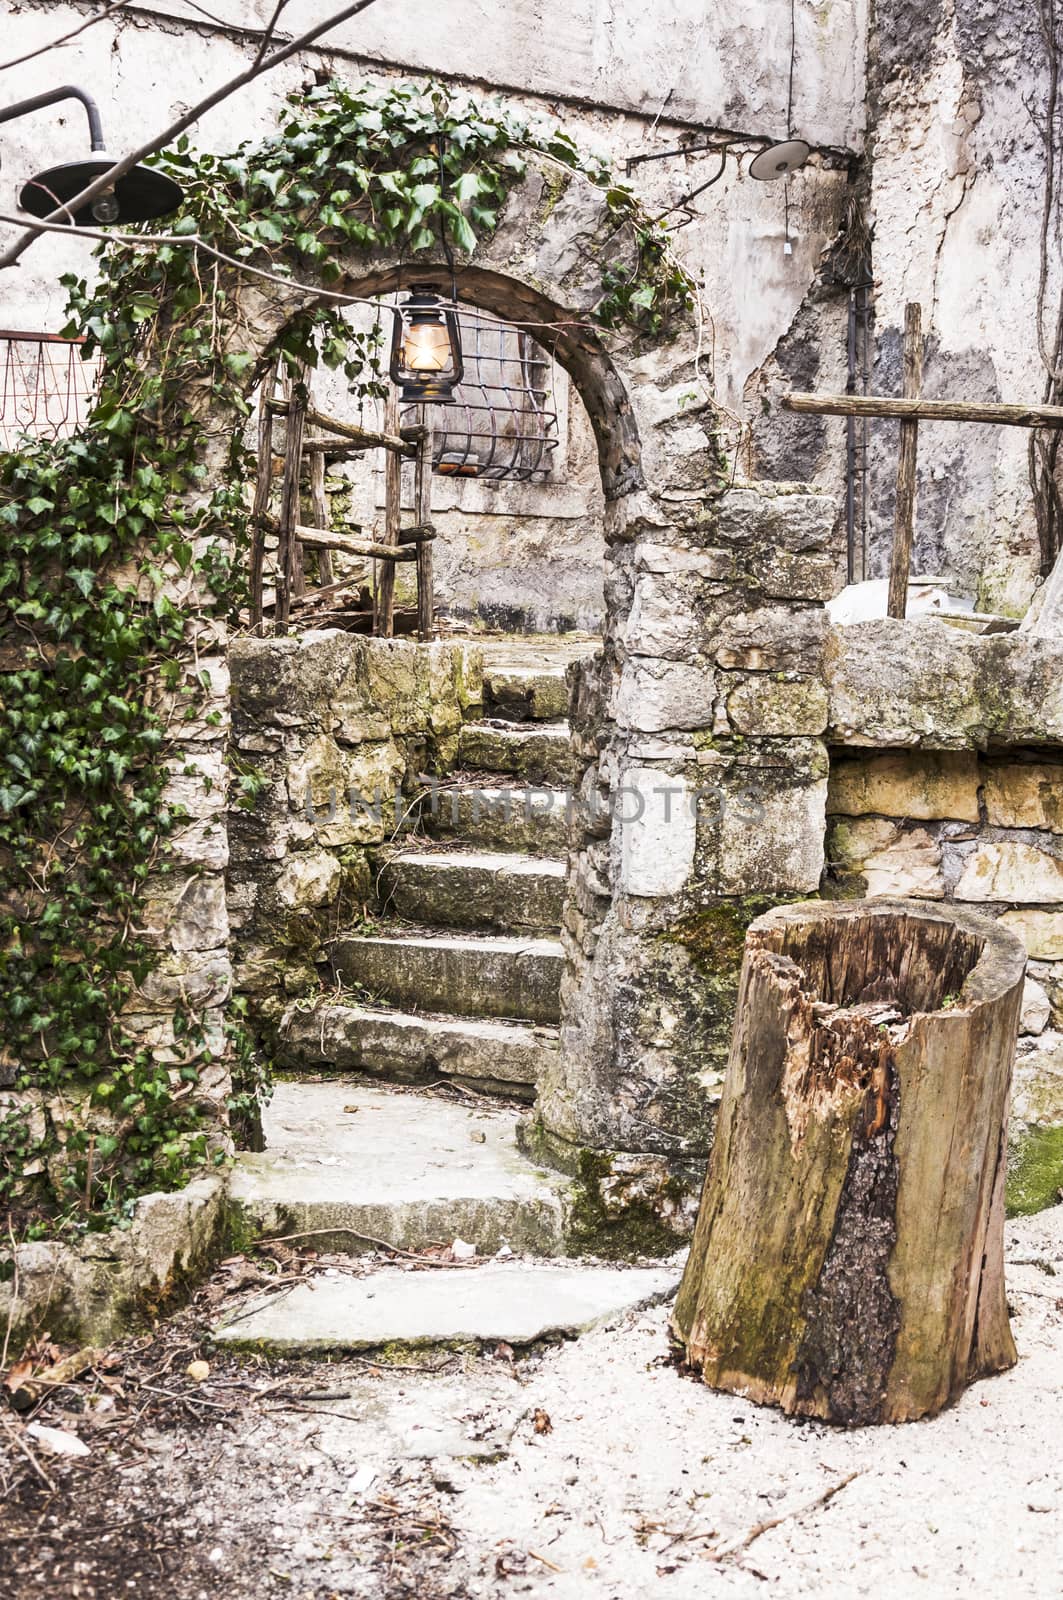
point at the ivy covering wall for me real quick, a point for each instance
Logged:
(119, 557)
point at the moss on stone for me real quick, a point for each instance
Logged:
(614, 1228)
(1035, 1171)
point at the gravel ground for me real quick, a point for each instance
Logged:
(594, 1469)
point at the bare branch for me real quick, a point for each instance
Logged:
(54, 44)
(107, 179)
(148, 241)
(267, 37)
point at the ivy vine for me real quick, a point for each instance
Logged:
(116, 552)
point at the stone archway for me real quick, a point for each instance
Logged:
(658, 894)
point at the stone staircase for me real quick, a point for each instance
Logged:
(460, 977)
(458, 983)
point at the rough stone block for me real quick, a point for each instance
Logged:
(891, 860)
(777, 705)
(762, 817)
(518, 817)
(471, 976)
(308, 879)
(187, 914)
(1035, 1131)
(1024, 794)
(658, 832)
(474, 889)
(922, 682)
(925, 787)
(1009, 871)
(655, 695)
(400, 1045)
(1036, 1010)
(1040, 931)
(539, 753)
(773, 639)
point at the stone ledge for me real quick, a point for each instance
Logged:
(906, 684)
(92, 1292)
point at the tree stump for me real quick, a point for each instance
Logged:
(848, 1259)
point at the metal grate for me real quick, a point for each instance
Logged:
(503, 424)
(46, 389)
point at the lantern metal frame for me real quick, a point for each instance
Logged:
(425, 306)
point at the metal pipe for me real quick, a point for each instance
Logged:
(69, 91)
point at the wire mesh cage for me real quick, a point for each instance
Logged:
(503, 423)
(46, 389)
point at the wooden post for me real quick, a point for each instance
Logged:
(322, 515)
(422, 514)
(384, 621)
(904, 519)
(848, 1260)
(262, 492)
(289, 559)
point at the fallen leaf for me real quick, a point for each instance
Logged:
(56, 1441)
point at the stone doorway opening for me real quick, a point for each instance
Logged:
(426, 996)
(515, 494)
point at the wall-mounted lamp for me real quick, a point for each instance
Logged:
(138, 196)
(426, 349)
(779, 160)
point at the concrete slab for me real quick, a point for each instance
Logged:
(344, 1160)
(502, 1302)
(464, 976)
(474, 889)
(400, 1045)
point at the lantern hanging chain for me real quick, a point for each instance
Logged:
(443, 239)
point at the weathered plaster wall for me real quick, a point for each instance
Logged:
(957, 90)
(624, 80)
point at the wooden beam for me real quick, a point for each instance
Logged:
(327, 540)
(289, 557)
(365, 438)
(869, 405)
(904, 516)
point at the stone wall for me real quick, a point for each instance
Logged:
(965, 805)
(330, 729)
(703, 802)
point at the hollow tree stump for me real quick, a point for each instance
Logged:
(848, 1257)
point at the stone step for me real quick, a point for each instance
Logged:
(532, 693)
(498, 1057)
(518, 816)
(473, 889)
(537, 752)
(366, 1163)
(514, 1303)
(463, 976)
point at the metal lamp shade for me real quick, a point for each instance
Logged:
(141, 194)
(426, 359)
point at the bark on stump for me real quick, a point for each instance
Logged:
(848, 1259)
